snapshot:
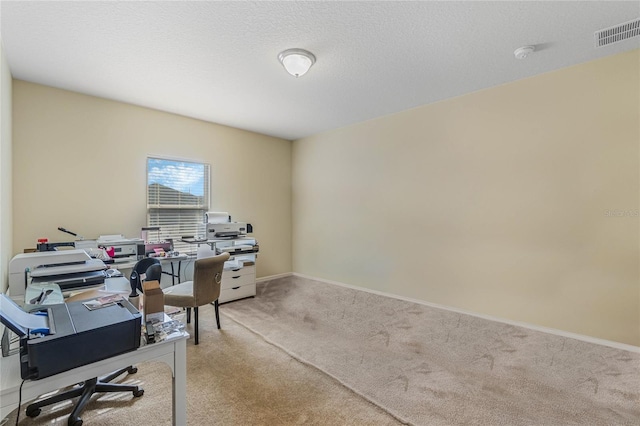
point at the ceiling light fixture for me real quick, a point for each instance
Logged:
(524, 51)
(296, 61)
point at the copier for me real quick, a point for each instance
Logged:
(122, 249)
(228, 229)
(70, 269)
(70, 335)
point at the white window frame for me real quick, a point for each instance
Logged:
(178, 210)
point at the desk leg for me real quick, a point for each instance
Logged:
(180, 384)
(173, 275)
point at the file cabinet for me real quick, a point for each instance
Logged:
(238, 282)
(239, 274)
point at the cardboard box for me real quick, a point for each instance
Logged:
(153, 301)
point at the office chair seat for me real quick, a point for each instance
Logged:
(202, 290)
(85, 390)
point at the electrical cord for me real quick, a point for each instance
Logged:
(19, 401)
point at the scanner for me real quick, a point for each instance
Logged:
(74, 336)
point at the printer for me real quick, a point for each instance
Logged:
(69, 269)
(228, 230)
(242, 246)
(72, 335)
(124, 249)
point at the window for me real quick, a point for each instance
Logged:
(177, 198)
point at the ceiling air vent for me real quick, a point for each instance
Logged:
(618, 33)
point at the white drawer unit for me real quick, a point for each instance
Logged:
(238, 283)
(235, 293)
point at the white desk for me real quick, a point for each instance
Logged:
(172, 352)
(129, 264)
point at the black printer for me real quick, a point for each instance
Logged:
(77, 336)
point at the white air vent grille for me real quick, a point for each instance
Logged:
(617, 33)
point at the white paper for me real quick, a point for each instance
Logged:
(20, 317)
(217, 217)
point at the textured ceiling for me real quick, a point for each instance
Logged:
(217, 61)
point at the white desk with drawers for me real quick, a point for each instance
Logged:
(239, 275)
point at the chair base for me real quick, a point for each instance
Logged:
(195, 313)
(85, 390)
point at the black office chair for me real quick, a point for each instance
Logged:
(150, 266)
(153, 271)
(85, 390)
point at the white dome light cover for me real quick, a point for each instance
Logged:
(296, 61)
(524, 51)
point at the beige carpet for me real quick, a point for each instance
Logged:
(424, 365)
(233, 378)
(430, 366)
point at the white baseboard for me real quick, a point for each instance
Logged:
(554, 331)
(274, 277)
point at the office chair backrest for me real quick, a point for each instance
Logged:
(154, 272)
(207, 277)
(141, 268)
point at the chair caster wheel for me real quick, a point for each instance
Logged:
(138, 393)
(132, 370)
(33, 412)
(75, 421)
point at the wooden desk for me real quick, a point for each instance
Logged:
(172, 352)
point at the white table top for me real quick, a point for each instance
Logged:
(163, 259)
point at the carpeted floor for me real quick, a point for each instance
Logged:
(233, 378)
(304, 352)
(429, 366)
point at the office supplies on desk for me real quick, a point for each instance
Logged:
(152, 301)
(43, 294)
(80, 237)
(113, 272)
(45, 245)
(102, 302)
(71, 335)
(69, 269)
(153, 248)
(122, 249)
(191, 239)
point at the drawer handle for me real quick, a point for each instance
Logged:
(235, 288)
(238, 276)
(236, 270)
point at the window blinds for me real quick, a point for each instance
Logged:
(177, 197)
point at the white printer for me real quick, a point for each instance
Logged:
(219, 225)
(124, 249)
(69, 269)
(228, 230)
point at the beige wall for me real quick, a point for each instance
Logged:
(80, 163)
(494, 202)
(6, 232)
